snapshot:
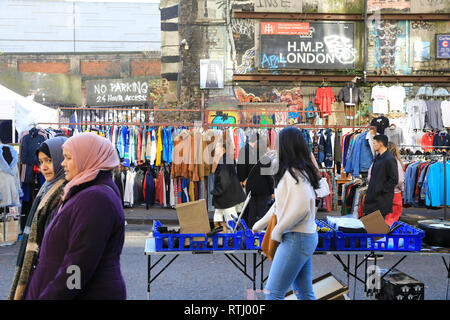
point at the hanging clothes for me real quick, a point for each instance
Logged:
(324, 98)
(149, 190)
(10, 190)
(159, 147)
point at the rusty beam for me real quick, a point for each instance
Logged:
(297, 16)
(291, 78)
(409, 79)
(338, 78)
(416, 16)
(338, 16)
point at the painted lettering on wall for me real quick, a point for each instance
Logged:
(324, 46)
(116, 91)
(272, 61)
(278, 5)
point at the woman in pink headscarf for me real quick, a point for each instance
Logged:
(80, 253)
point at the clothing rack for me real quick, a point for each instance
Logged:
(199, 110)
(444, 155)
(181, 124)
(202, 110)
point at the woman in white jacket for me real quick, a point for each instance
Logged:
(295, 208)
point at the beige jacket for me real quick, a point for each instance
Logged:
(295, 207)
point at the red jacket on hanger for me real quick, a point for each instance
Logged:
(427, 141)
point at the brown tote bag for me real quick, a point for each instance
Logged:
(269, 246)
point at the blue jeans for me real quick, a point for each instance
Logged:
(292, 265)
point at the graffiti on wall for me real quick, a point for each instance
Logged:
(248, 62)
(292, 97)
(219, 117)
(243, 27)
(244, 97)
(390, 47)
(399, 5)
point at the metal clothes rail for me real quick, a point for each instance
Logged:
(444, 155)
(200, 110)
(181, 124)
(267, 109)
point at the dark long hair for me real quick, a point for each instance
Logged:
(293, 153)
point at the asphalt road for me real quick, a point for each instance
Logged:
(198, 277)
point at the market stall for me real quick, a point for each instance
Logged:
(24, 114)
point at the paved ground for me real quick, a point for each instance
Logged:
(214, 277)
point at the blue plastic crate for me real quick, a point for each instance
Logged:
(325, 239)
(405, 238)
(254, 240)
(176, 242)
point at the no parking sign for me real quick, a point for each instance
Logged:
(443, 46)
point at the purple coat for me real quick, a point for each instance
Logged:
(88, 232)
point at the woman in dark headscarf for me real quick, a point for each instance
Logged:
(87, 233)
(50, 157)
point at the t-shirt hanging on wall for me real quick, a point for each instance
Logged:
(415, 111)
(324, 98)
(434, 114)
(380, 96)
(396, 96)
(394, 134)
(445, 108)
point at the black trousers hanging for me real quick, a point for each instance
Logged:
(256, 209)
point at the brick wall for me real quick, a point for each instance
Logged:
(145, 67)
(120, 65)
(190, 94)
(62, 66)
(3, 66)
(100, 68)
(88, 66)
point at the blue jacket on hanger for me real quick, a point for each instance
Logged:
(361, 157)
(322, 143)
(149, 190)
(328, 150)
(126, 145)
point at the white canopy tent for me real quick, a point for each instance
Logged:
(23, 111)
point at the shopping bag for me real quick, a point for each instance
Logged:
(12, 230)
(269, 246)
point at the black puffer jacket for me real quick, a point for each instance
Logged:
(227, 190)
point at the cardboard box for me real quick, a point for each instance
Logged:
(375, 223)
(193, 218)
(326, 287)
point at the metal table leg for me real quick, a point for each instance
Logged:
(254, 271)
(448, 276)
(348, 268)
(149, 263)
(150, 267)
(262, 271)
(356, 274)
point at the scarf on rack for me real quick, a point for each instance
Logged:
(91, 154)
